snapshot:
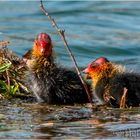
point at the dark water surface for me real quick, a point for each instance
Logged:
(93, 29)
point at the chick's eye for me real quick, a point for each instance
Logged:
(95, 65)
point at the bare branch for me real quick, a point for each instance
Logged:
(4, 42)
(123, 99)
(62, 35)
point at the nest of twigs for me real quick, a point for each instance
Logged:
(12, 72)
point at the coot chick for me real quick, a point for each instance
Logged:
(110, 79)
(49, 82)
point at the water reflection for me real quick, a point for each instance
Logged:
(40, 121)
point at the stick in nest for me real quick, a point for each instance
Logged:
(8, 81)
(4, 42)
(62, 35)
(123, 99)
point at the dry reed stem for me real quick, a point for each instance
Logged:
(4, 42)
(8, 81)
(123, 99)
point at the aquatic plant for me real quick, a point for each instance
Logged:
(12, 70)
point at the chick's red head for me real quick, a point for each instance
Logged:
(95, 66)
(42, 45)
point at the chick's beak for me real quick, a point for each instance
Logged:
(87, 76)
(44, 46)
(42, 50)
(86, 71)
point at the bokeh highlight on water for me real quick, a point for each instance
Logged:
(93, 29)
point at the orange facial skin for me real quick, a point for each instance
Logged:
(98, 69)
(42, 46)
(42, 53)
(95, 66)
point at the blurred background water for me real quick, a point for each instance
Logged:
(92, 29)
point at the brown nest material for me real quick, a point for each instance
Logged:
(12, 71)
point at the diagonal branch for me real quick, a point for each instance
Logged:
(62, 35)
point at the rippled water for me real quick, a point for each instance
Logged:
(93, 29)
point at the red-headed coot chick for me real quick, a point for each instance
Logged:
(49, 82)
(110, 79)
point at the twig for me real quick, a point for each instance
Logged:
(62, 35)
(123, 99)
(8, 81)
(4, 42)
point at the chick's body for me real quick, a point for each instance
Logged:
(109, 81)
(53, 84)
(130, 81)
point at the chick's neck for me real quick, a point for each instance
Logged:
(43, 64)
(105, 72)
